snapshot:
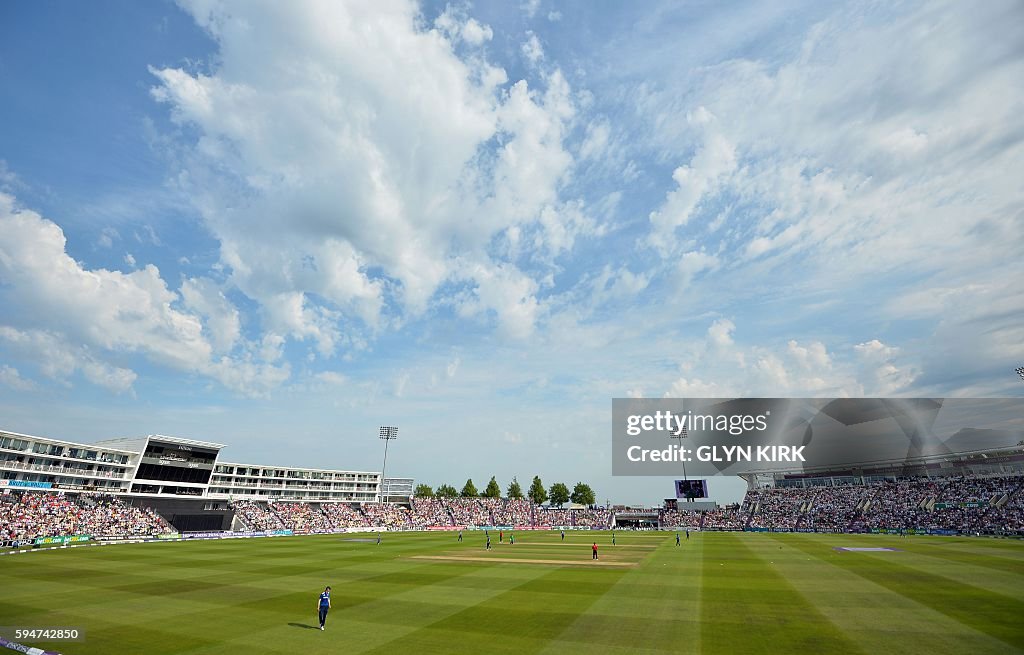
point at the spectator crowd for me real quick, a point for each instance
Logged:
(29, 515)
(992, 505)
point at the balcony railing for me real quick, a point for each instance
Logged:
(49, 468)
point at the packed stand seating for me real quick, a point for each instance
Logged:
(342, 515)
(301, 518)
(777, 508)
(468, 511)
(514, 512)
(110, 516)
(673, 518)
(730, 517)
(388, 517)
(592, 518)
(833, 509)
(899, 505)
(963, 502)
(256, 516)
(1007, 518)
(552, 517)
(30, 515)
(429, 512)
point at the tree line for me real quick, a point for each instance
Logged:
(556, 495)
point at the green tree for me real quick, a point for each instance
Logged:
(469, 490)
(536, 492)
(492, 490)
(583, 494)
(515, 492)
(423, 491)
(446, 491)
(559, 494)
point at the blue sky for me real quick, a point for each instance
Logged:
(280, 225)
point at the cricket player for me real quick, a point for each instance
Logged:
(324, 605)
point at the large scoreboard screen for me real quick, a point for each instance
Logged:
(175, 462)
(691, 489)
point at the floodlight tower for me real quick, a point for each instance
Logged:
(681, 434)
(387, 433)
(1020, 372)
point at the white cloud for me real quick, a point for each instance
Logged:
(59, 360)
(112, 310)
(532, 49)
(692, 264)
(694, 388)
(879, 373)
(509, 294)
(107, 237)
(703, 176)
(332, 378)
(455, 25)
(475, 33)
(222, 323)
(595, 143)
(271, 347)
(872, 149)
(720, 333)
(247, 376)
(811, 356)
(452, 368)
(366, 167)
(10, 377)
(8, 180)
(107, 312)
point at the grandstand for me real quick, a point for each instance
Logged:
(975, 492)
(161, 485)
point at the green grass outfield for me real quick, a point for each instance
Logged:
(729, 593)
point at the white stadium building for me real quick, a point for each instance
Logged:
(183, 479)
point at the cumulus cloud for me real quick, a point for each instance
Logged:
(703, 176)
(351, 174)
(694, 388)
(59, 360)
(880, 374)
(222, 323)
(11, 377)
(70, 317)
(811, 356)
(720, 333)
(458, 27)
(532, 49)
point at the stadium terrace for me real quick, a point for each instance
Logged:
(159, 485)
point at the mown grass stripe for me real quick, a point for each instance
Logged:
(665, 616)
(877, 618)
(748, 607)
(984, 610)
(523, 629)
